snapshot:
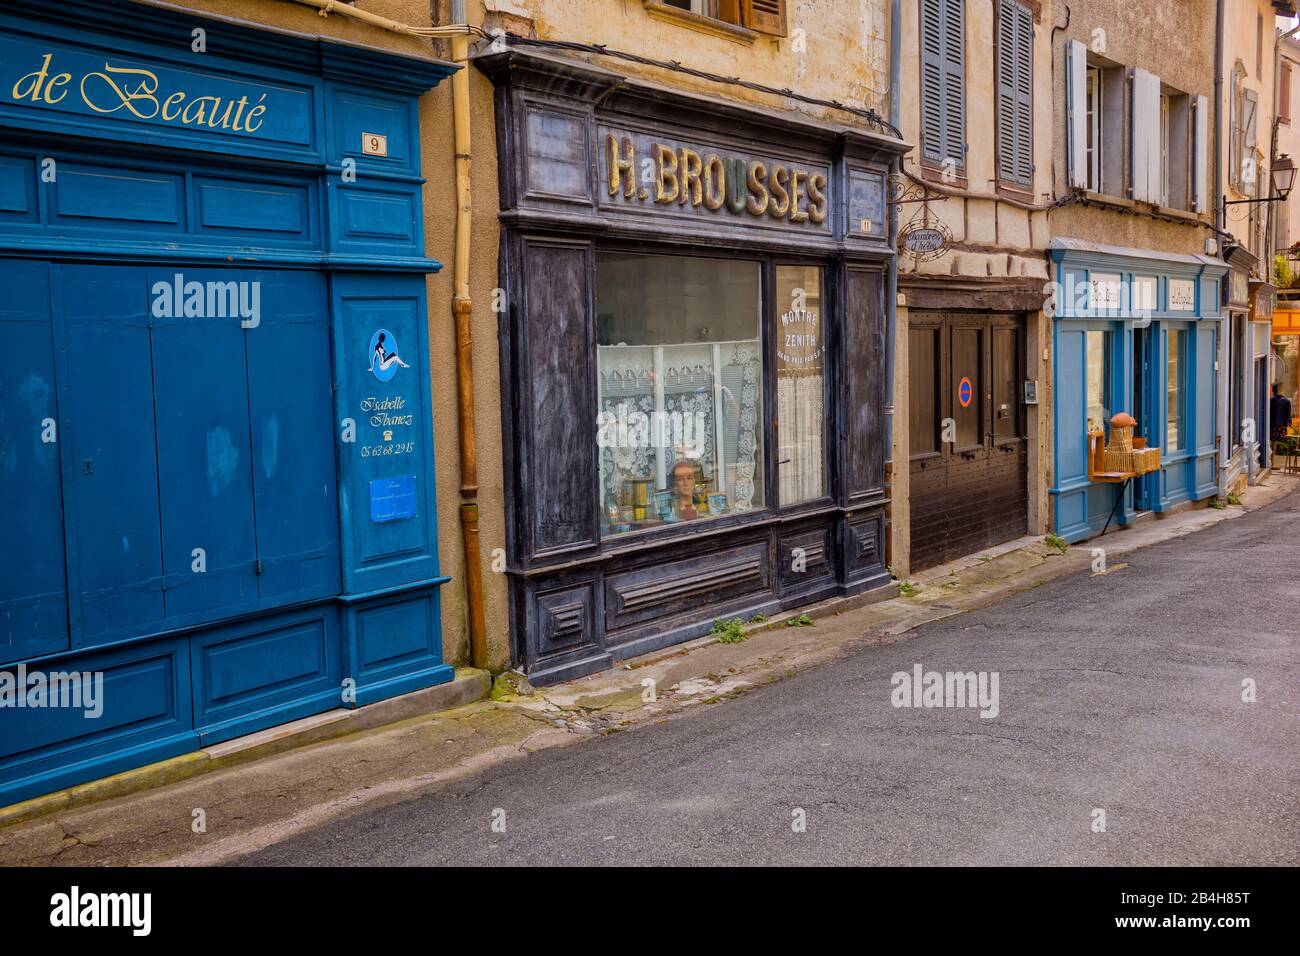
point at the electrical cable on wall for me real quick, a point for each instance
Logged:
(870, 115)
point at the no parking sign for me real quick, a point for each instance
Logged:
(965, 392)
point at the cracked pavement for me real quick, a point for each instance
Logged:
(1119, 692)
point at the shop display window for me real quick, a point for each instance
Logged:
(1175, 373)
(1098, 372)
(680, 395)
(800, 385)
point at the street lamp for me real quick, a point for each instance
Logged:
(1283, 176)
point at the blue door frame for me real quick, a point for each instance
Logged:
(1147, 295)
(222, 481)
(1142, 407)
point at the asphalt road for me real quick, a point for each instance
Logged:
(1120, 692)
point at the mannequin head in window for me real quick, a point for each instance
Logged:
(684, 485)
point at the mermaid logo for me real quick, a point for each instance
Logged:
(384, 360)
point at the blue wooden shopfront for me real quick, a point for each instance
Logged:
(1133, 331)
(216, 461)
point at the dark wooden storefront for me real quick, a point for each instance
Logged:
(583, 159)
(968, 432)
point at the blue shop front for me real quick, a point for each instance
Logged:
(217, 502)
(1134, 331)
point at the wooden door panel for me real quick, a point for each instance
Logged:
(970, 493)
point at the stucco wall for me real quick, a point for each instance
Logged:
(1240, 47)
(1173, 39)
(991, 236)
(437, 153)
(836, 50)
(1288, 143)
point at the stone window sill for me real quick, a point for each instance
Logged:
(694, 21)
(1019, 193)
(1106, 199)
(1122, 202)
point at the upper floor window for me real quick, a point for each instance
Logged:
(1163, 141)
(1175, 370)
(762, 16)
(1243, 134)
(1097, 92)
(943, 82)
(1175, 148)
(1093, 132)
(1015, 101)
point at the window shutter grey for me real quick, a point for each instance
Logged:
(932, 146)
(1200, 158)
(1250, 141)
(1024, 95)
(954, 80)
(943, 80)
(1008, 132)
(1077, 113)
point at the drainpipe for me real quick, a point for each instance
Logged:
(891, 275)
(1220, 220)
(462, 308)
(459, 33)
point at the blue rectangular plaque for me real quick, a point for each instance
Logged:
(392, 499)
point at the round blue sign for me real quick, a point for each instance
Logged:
(384, 360)
(964, 392)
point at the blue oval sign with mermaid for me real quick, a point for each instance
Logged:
(384, 359)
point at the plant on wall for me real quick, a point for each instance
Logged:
(1282, 274)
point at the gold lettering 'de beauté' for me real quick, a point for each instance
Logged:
(682, 176)
(136, 91)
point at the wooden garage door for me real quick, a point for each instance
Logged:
(967, 428)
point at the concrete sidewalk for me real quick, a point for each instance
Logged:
(219, 804)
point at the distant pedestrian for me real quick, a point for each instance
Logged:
(1279, 414)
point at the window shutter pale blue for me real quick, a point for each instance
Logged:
(1146, 136)
(1201, 156)
(1077, 113)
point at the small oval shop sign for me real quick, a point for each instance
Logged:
(923, 241)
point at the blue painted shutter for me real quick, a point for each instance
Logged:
(1015, 111)
(291, 409)
(114, 536)
(33, 599)
(205, 486)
